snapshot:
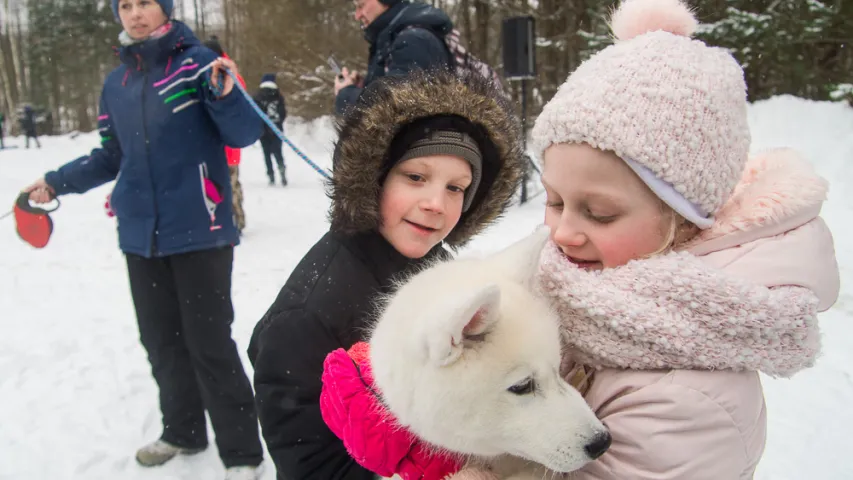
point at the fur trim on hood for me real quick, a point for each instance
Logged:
(778, 191)
(390, 104)
(773, 219)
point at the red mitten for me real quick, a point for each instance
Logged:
(370, 433)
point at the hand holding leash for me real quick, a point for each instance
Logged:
(33, 224)
(220, 81)
(40, 191)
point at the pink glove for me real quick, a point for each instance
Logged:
(370, 433)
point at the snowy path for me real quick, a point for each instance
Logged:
(77, 395)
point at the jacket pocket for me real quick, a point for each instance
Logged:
(211, 195)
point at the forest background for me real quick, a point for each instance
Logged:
(54, 54)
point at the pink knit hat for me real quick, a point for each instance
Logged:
(672, 107)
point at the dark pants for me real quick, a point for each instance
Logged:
(183, 306)
(272, 147)
(34, 137)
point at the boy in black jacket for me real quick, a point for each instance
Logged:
(271, 101)
(421, 160)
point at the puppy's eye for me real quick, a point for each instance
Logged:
(525, 387)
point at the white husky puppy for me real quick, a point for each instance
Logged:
(467, 357)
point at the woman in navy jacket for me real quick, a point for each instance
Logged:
(163, 131)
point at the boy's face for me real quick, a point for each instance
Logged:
(422, 202)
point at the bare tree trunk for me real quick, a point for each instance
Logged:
(18, 54)
(226, 11)
(553, 64)
(203, 25)
(576, 18)
(195, 4)
(7, 64)
(483, 13)
(465, 6)
(55, 92)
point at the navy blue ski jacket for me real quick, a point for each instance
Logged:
(163, 134)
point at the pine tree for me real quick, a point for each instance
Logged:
(785, 46)
(68, 57)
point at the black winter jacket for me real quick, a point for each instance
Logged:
(271, 101)
(397, 49)
(326, 304)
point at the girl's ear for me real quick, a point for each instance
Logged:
(684, 232)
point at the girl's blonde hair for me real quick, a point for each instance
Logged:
(679, 231)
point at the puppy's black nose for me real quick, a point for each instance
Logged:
(599, 444)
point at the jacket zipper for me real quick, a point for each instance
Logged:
(148, 157)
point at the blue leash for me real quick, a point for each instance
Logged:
(218, 91)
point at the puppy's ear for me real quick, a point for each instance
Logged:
(521, 259)
(469, 315)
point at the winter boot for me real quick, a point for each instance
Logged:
(159, 452)
(243, 473)
(283, 177)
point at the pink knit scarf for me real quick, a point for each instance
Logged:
(675, 312)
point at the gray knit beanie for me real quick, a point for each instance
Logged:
(458, 144)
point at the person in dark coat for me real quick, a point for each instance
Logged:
(271, 102)
(422, 162)
(2, 146)
(396, 47)
(27, 121)
(163, 131)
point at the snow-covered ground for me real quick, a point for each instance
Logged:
(76, 394)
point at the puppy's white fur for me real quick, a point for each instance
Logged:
(452, 353)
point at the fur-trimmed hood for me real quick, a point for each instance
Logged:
(772, 220)
(778, 191)
(391, 103)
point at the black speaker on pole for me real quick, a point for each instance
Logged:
(519, 48)
(519, 56)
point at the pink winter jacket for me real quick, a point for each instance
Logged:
(712, 424)
(700, 424)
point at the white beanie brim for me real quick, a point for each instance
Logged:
(670, 196)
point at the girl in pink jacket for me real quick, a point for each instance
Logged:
(679, 266)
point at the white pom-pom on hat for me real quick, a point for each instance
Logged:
(636, 17)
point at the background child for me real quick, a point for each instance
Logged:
(271, 101)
